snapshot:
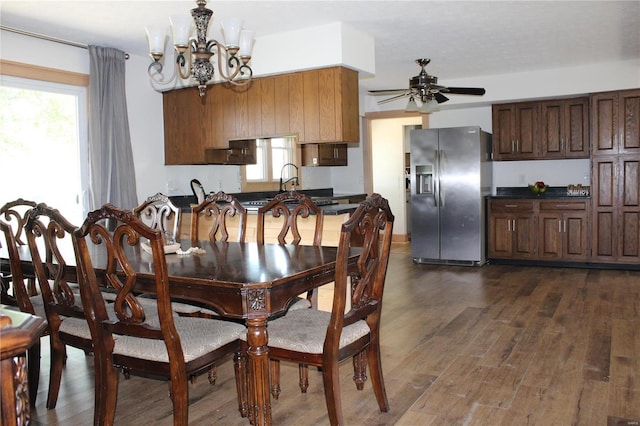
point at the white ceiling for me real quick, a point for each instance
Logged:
(462, 38)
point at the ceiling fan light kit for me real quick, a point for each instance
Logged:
(425, 88)
(194, 54)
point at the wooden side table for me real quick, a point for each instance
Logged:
(18, 332)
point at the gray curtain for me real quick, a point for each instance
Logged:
(111, 171)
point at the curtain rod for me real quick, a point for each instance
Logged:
(49, 38)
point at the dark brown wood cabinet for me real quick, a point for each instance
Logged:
(564, 128)
(515, 129)
(615, 176)
(615, 123)
(511, 229)
(616, 208)
(324, 154)
(562, 231)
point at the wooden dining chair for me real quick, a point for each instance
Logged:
(324, 339)
(218, 209)
(290, 208)
(29, 304)
(158, 212)
(14, 213)
(154, 344)
(49, 236)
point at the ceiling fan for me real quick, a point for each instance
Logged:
(424, 87)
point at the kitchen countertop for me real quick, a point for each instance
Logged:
(184, 202)
(552, 192)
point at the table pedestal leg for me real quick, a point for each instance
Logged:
(258, 371)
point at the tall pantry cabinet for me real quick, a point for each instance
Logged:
(615, 172)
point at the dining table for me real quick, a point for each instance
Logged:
(240, 281)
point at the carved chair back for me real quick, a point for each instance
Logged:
(369, 227)
(219, 208)
(158, 212)
(290, 207)
(14, 292)
(15, 214)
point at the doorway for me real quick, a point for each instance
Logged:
(384, 160)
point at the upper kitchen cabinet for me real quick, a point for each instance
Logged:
(615, 120)
(515, 127)
(564, 127)
(330, 105)
(184, 127)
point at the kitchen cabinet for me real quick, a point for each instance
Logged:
(615, 176)
(564, 128)
(183, 127)
(319, 106)
(330, 106)
(515, 130)
(511, 229)
(616, 208)
(562, 231)
(324, 154)
(615, 121)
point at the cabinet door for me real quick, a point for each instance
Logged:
(552, 129)
(604, 123)
(524, 237)
(576, 128)
(629, 119)
(574, 235)
(296, 105)
(603, 212)
(183, 131)
(628, 208)
(503, 117)
(280, 105)
(550, 236)
(526, 130)
(500, 236)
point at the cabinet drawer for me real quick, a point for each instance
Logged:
(511, 205)
(563, 205)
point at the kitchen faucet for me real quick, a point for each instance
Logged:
(293, 179)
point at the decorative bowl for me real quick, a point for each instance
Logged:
(538, 187)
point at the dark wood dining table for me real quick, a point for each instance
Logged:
(246, 281)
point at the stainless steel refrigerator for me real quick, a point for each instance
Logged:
(450, 179)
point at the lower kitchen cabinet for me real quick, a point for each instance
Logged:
(562, 231)
(545, 230)
(511, 229)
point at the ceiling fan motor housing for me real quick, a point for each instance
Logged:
(421, 83)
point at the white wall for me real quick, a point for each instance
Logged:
(387, 140)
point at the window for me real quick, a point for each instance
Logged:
(43, 144)
(271, 155)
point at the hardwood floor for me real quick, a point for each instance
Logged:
(461, 345)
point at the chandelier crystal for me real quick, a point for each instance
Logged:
(195, 56)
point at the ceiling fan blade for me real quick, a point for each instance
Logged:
(440, 98)
(386, 92)
(393, 98)
(479, 91)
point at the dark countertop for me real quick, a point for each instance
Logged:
(184, 202)
(552, 192)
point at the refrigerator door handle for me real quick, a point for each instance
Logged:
(441, 171)
(436, 180)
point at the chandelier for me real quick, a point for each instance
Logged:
(194, 55)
